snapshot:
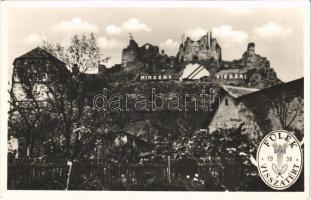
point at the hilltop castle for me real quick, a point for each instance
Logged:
(147, 62)
(206, 48)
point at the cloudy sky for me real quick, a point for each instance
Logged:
(277, 32)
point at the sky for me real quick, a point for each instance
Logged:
(277, 32)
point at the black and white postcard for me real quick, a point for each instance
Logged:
(200, 99)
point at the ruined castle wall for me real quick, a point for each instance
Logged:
(199, 48)
(188, 54)
(148, 52)
(129, 55)
(203, 42)
(203, 54)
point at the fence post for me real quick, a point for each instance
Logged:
(68, 175)
(169, 168)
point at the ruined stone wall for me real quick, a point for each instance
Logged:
(253, 70)
(203, 54)
(146, 59)
(148, 53)
(129, 55)
(199, 50)
(187, 52)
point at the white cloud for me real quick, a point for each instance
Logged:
(227, 36)
(34, 39)
(134, 24)
(170, 46)
(74, 26)
(113, 29)
(196, 33)
(272, 30)
(105, 43)
(131, 25)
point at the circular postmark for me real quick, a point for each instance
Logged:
(279, 159)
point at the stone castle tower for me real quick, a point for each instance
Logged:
(206, 48)
(130, 53)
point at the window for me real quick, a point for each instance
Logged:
(226, 102)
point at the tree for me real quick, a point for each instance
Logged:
(82, 125)
(30, 124)
(56, 100)
(83, 52)
(29, 115)
(232, 147)
(287, 109)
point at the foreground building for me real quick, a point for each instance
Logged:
(261, 111)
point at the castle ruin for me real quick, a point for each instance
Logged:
(206, 48)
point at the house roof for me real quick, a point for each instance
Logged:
(38, 53)
(243, 93)
(237, 92)
(261, 101)
(296, 87)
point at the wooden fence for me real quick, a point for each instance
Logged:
(36, 175)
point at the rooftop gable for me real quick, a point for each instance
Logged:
(38, 53)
